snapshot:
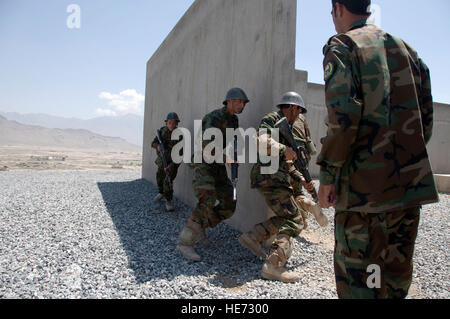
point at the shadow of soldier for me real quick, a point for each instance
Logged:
(149, 240)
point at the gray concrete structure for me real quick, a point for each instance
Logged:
(442, 182)
(219, 44)
(439, 146)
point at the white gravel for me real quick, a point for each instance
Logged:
(92, 234)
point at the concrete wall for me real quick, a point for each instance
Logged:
(439, 146)
(219, 44)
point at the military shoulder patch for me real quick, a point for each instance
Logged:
(329, 71)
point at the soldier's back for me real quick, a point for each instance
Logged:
(388, 167)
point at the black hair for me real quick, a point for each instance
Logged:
(360, 7)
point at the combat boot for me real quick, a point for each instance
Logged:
(273, 272)
(305, 219)
(253, 241)
(158, 197)
(308, 205)
(274, 268)
(203, 240)
(169, 206)
(321, 219)
(187, 239)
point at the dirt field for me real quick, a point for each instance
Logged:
(54, 158)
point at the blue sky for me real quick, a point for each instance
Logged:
(99, 69)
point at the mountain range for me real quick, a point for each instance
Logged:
(13, 133)
(129, 127)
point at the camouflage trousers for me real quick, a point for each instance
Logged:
(212, 185)
(296, 186)
(163, 182)
(288, 219)
(384, 239)
(303, 202)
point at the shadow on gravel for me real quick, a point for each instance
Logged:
(149, 240)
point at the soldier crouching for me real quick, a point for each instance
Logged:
(279, 196)
(211, 183)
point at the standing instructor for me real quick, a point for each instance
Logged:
(375, 169)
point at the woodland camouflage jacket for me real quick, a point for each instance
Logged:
(380, 118)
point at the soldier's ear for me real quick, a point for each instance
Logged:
(339, 10)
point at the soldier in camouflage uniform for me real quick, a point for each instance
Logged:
(302, 135)
(279, 196)
(374, 163)
(165, 190)
(211, 183)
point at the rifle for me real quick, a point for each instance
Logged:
(234, 170)
(301, 164)
(163, 155)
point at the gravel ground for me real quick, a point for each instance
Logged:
(95, 234)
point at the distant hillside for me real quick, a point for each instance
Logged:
(13, 133)
(130, 127)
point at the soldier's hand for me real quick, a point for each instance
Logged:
(308, 186)
(158, 148)
(327, 196)
(290, 154)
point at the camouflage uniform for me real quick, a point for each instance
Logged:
(211, 182)
(279, 196)
(380, 118)
(302, 135)
(161, 178)
(212, 187)
(301, 132)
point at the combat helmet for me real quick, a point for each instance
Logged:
(293, 98)
(236, 94)
(172, 116)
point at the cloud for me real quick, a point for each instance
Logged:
(128, 101)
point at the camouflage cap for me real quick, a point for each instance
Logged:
(361, 7)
